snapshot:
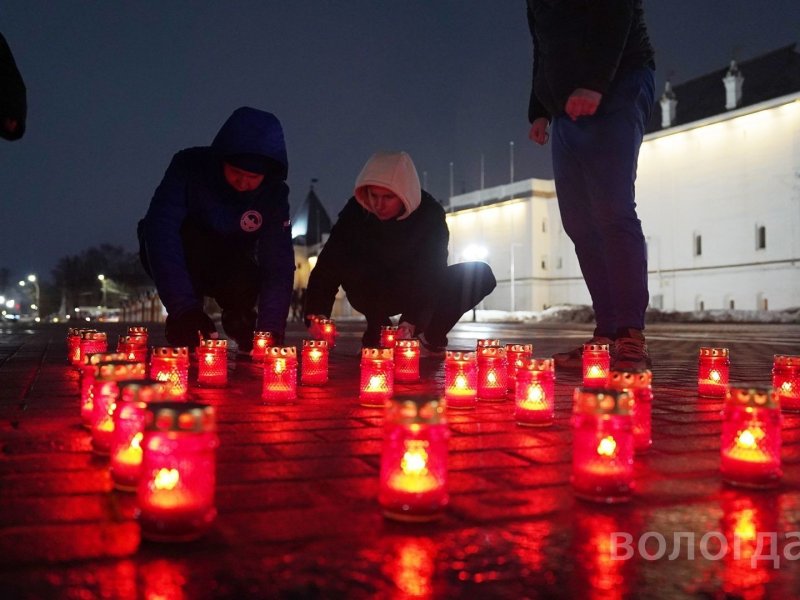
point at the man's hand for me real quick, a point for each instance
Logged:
(538, 132)
(189, 328)
(582, 103)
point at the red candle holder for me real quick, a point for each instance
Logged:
(535, 392)
(106, 389)
(175, 495)
(487, 343)
(639, 384)
(406, 361)
(751, 438)
(461, 380)
(171, 365)
(88, 373)
(212, 363)
(138, 335)
(314, 367)
(377, 376)
(261, 341)
(786, 381)
(516, 356)
(713, 371)
(126, 442)
(602, 439)
(492, 373)
(327, 331)
(280, 374)
(132, 347)
(413, 475)
(388, 336)
(74, 346)
(92, 342)
(596, 364)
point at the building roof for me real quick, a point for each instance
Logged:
(768, 76)
(310, 221)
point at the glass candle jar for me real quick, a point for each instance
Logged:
(88, 373)
(413, 474)
(74, 346)
(377, 376)
(713, 371)
(596, 364)
(126, 442)
(516, 356)
(138, 335)
(487, 343)
(639, 384)
(751, 437)
(132, 347)
(175, 494)
(388, 336)
(92, 342)
(280, 374)
(327, 330)
(171, 365)
(212, 363)
(261, 341)
(786, 381)
(314, 365)
(461, 379)
(602, 445)
(492, 373)
(105, 393)
(535, 392)
(406, 361)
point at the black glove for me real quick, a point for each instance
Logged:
(183, 329)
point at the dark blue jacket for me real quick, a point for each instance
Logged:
(194, 188)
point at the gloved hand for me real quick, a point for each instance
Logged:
(187, 328)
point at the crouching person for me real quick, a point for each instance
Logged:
(218, 226)
(388, 250)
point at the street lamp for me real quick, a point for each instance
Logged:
(102, 279)
(32, 280)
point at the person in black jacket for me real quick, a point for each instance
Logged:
(218, 225)
(388, 250)
(593, 85)
(13, 98)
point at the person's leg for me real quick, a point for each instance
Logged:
(463, 286)
(372, 301)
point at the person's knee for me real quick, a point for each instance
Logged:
(485, 279)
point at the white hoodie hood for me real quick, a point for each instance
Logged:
(394, 171)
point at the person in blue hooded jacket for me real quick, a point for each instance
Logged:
(218, 226)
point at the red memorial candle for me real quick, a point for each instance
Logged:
(461, 379)
(535, 392)
(413, 473)
(92, 342)
(132, 347)
(406, 361)
(314, 362)
(126, 442)
(516, 355)
(388, 336)
(261, 341)
(751, 437)
(639, 384)
(105, 393)
(212, 363)
(713, 370)
(176, 488)
(171, 365)
(138, 335)
(786, 381)
(327, 330)
(377, 376)
(74, 346)
(602, 440)
(88, 373)
(492, 373)
(596, 364)
(280, 374)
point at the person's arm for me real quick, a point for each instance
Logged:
(536, 109)
(13, 95)
(610, 22)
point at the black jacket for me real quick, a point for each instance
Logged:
(408, 254)
(13, 98)
(582, 44)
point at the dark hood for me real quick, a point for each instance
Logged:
(252, 131)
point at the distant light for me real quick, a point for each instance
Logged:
(77, 309)
(88, 319)
(101, 277)
(9, 304)
(34, 307)
(37, 319)
(475, 252)
(2, 299)
(31, 278)
(55, 319)
(21, 282)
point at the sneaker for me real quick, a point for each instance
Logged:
(429, 349)
(630, 351)
(573, 359)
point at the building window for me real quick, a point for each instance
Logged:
(544, 225)
(657, 301)
(698, 244)
(559, 263)
(544, 263)
(761, 237)
(702, 305)
(731, 304)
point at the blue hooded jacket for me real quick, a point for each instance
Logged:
(194, 188)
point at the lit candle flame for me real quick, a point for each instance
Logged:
(375, 383)
(491, 378)
(749, 439)
(607, 447)
(166, 479)
(714, 376)
(535, 393)
(594, 371)
(136, 441)
(415, 460)
(280, 366)
(209, 359)
(787, 387)
(460, 382)
(314, 355)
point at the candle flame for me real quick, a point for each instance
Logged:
(415, 459)
(491, 378)
(607, 447)
(261, 343)
(786, 387)
(314, 355)
(166, 479)
(749, 438)
(714, 376)
(460, 382)
(535, 393)
(209, 359)
(136, 441)
(280, 366)
(594, 371)
(375, 383)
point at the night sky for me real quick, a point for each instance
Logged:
(116, 88)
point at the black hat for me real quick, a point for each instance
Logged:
(255, 163)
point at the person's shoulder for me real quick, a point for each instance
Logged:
(430, 205)
(351, 209)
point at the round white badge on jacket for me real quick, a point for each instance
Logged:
(251, 220)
